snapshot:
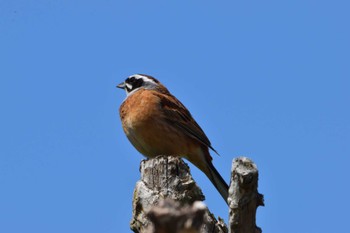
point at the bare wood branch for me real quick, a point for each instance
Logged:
(244, 198)
(170, 217)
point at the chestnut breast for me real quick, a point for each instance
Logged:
(145, 126)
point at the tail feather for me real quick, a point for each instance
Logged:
(204, 163)
(217, 180)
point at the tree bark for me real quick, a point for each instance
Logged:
(167, 199)
(244, 198)
(167, 177)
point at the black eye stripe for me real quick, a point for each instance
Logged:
(134, 83)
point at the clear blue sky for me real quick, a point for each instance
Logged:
(264, 79)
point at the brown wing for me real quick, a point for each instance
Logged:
(177, 114)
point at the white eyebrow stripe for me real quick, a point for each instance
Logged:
(145, 78)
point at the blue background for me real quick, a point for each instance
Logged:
(264, 79)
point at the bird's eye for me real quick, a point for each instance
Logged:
(132, 79)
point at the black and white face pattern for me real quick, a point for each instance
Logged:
(134, 82)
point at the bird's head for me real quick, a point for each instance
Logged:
(138, 81)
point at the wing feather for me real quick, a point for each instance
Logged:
(178, 115)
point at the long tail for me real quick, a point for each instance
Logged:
(203, 162)
(217, 181)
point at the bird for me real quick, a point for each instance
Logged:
(157, 123)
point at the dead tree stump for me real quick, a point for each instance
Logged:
(167, 200)
(167, 177)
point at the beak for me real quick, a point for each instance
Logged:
(121, 85)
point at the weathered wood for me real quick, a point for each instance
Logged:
(167, 177)
(244, 198)
(170, 217)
